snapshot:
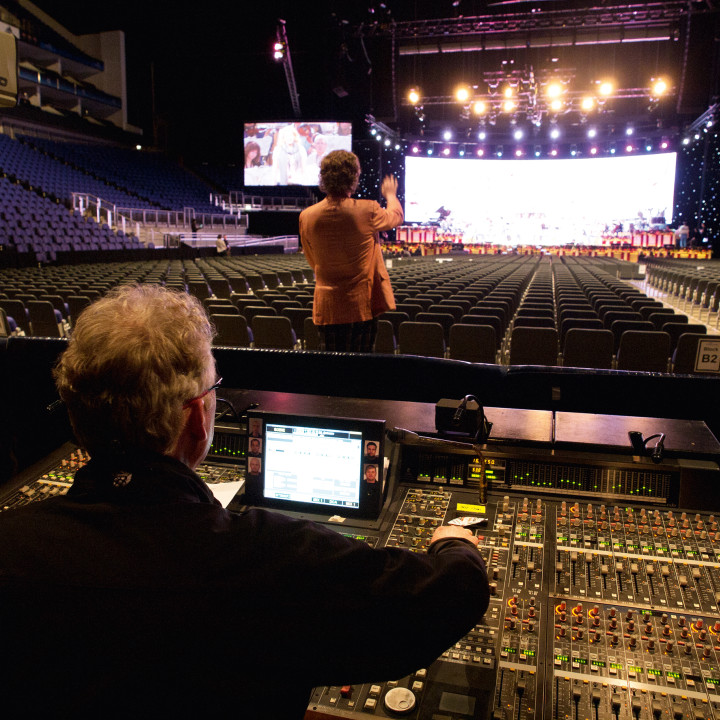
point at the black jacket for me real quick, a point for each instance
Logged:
(148, 599)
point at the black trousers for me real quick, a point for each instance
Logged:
(349, 337)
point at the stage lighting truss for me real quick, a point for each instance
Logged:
(385, 135)
(534, 97)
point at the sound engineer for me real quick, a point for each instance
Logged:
(148, 599)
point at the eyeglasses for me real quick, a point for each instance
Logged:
(217, 384)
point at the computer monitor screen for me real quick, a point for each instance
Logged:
(315, 464)
(289, 153)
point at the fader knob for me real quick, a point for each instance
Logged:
(400, 700)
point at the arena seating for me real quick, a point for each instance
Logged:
(528, 304)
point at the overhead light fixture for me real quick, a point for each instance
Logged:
(606, 88)
(555, 133)
(587, 104)
(278, 51)
(479, 107)
(554, 90)
(482, 135)
(414, 96)
(659, 87)
(508, 106)
(447, 135)
(462, 93)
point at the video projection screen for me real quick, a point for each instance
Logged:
(289, 153)
(539, 201)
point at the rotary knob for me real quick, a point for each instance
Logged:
(400, 700)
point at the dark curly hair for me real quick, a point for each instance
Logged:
(339, 173)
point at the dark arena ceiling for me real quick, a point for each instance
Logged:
(350, 60)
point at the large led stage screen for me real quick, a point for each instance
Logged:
(289, 153)
(540, 201)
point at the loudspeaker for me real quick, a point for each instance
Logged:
(8, 70)
(700, 60)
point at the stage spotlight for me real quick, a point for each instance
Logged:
(555, 133)
(696, 136)
(518, 134)
(482, 135)
(462, 93)
(648, 147)
(414, 96)
(447, 135)
(508, 92)
(658, 88)
(587, 104)
(554, 90)
(415, 149)
(629, 130)
(628, 148)
(556, 105)
(592, 132)
(606, 88)
(278, 51)
(446, 151)
(554, 152)
(397, 146)
(461, 151)
(479, 152)
(430, 150)
(508, 106)
(379, 137)
(373, 131)
(573, 150)
(593, 150)
(538, 151)
(388, 142)
(479, 107)
(686, 141)
(499, 151)
(612, 149)
(518, 152)
(664, 145)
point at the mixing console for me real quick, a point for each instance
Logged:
(597, 612)
(600, 609)
(59, 472)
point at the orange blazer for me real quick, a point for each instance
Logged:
(340, 240)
